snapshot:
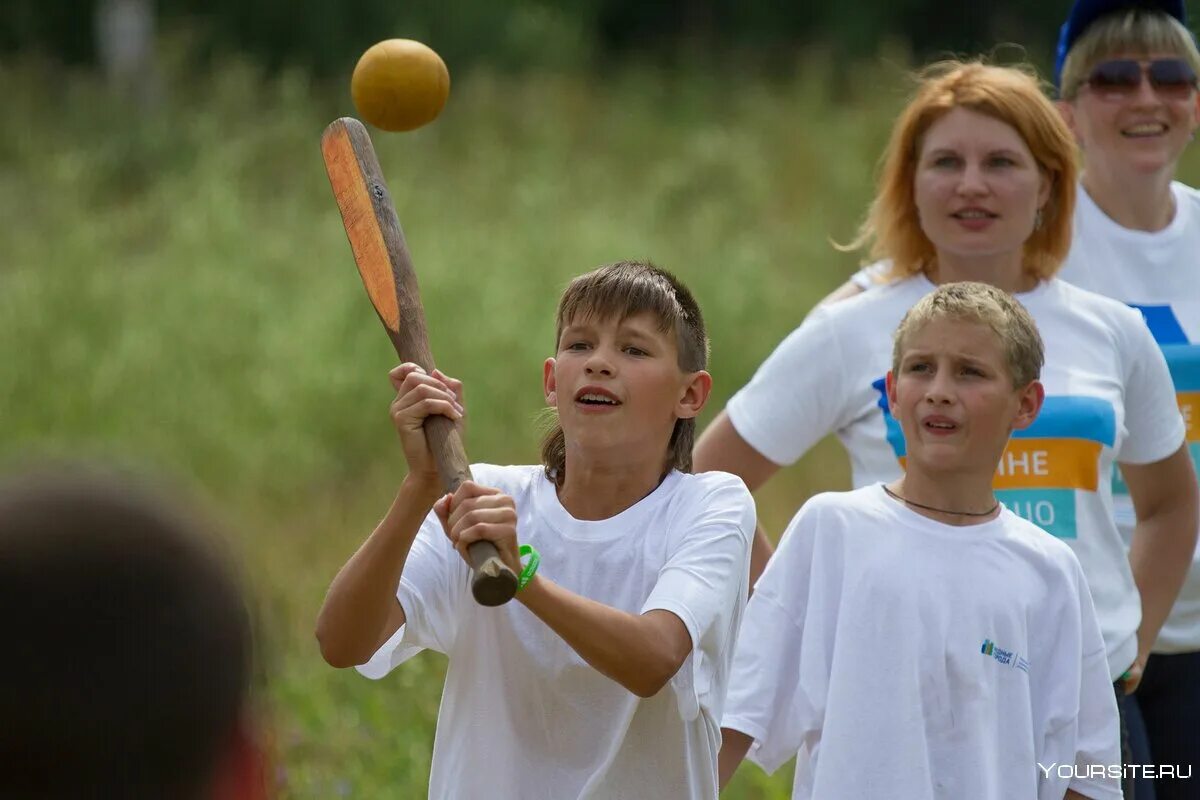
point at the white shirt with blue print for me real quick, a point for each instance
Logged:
(1109, 398)
(1157, 273)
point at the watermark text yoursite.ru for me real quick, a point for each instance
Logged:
(1150, 771)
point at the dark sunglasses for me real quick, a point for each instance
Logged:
(1168, 76)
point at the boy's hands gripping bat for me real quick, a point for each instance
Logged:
(387, 272)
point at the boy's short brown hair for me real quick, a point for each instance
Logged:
(984, 304)
(622, 290)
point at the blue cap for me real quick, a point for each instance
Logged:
(1085, 12)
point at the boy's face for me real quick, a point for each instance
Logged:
(1139, 131)
(618, 387)
(954, 398)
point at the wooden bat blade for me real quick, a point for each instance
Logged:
(362, 197)
(387, 273)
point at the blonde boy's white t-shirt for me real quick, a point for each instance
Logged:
(1108, 398)
(523, 716)
(901, 657)
(1157, 273)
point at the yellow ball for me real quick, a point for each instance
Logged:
(399, 84)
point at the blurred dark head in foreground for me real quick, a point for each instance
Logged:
(126, 656)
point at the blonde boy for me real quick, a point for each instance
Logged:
(917, 639)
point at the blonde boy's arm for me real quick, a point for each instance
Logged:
(722, 448)
(361, 611)
(1074, 795)
(734, 746)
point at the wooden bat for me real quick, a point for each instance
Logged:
(387, 272)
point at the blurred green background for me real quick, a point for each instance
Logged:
(177, 293)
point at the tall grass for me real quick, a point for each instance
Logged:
(176, 291)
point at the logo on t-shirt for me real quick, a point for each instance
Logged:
(1006, 657)
(1045, 464)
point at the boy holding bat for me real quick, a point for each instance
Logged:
(606, 678)
(917, 639)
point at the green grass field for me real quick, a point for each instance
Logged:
(176, 292)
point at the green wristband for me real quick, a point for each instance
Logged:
(530, 567)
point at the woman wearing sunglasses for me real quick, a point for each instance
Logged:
(979, 183)
(1127, 80)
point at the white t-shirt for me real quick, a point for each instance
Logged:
(523, 716)
(902, 657)
(872, 275)
(1159, 274)
(1108, 397)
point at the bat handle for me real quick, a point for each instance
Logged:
(492, 582)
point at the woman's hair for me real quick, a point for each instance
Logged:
(984, 304)
(892, 228)
(622, 290)
(1136, 32)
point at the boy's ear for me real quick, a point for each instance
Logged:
(549, 383)
(1030, 401)
(694, 396)
(890, 384)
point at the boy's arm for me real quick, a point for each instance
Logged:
(785, 409)
(361, 611)
(642, 652)
(768, 707)
(734, 746)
